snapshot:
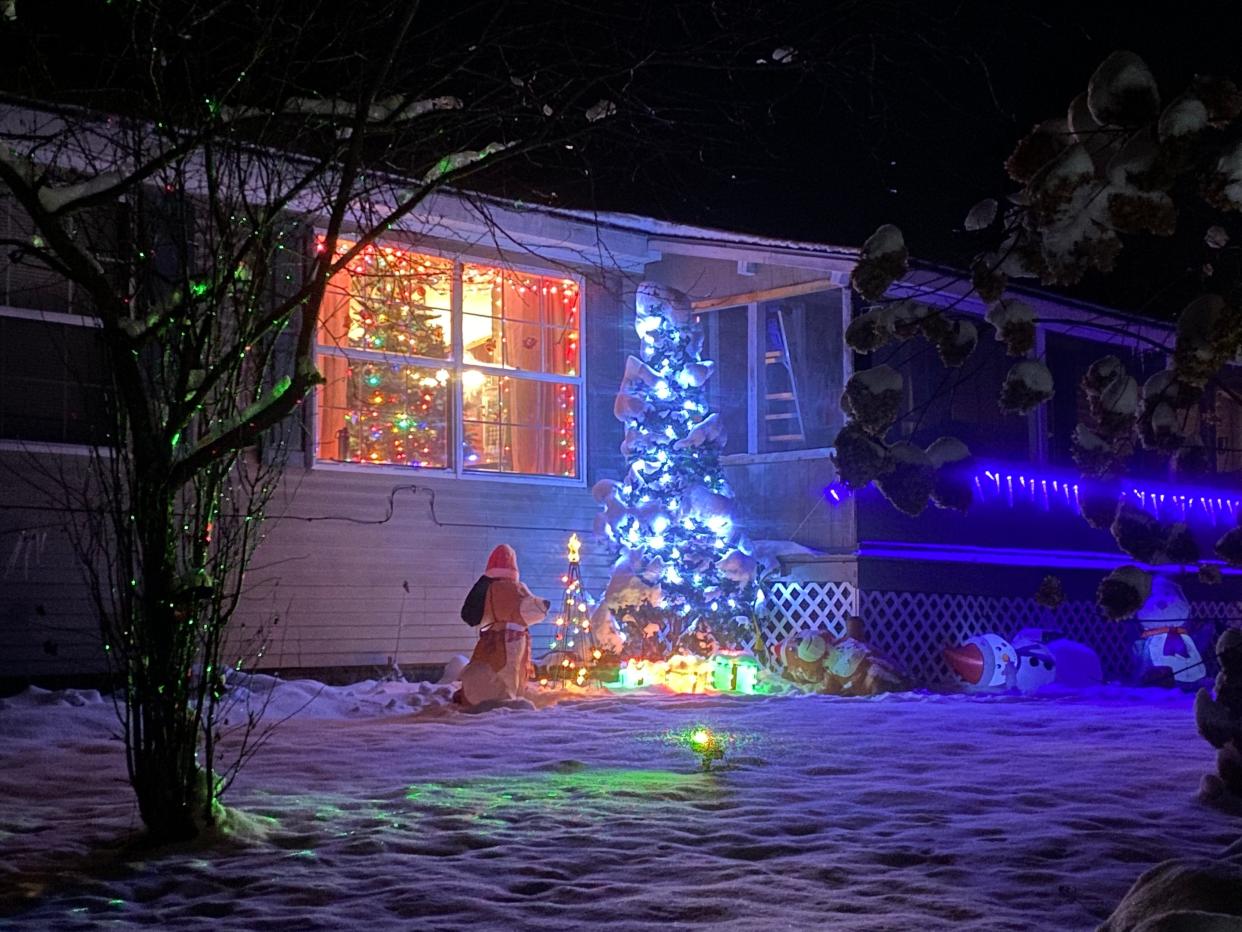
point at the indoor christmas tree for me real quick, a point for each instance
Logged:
(395, 302)
(684, 579)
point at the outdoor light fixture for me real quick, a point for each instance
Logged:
(702, 740)
(1013, 486)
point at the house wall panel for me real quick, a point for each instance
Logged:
(47, 622)
(337, 585)
(785, 501)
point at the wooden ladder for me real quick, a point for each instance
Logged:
(782, 411)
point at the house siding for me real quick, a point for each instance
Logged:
(47, 621)
(337, 588)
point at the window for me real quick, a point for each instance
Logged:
(27, 282)
(962, 402)
(779, 372)
(1068, 358)
(437, 364)
(53, 378)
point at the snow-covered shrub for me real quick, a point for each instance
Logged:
(884, 259)
(1208, 332)
(1180, 545)
(1167, 412)
(859, 458)
(1028, 384)
(982, 215)
(1098, 504)
(954, 342)
(953, 486)
(987, 278)
(873, 398)
(1219, 718)
(1092, 453)
(1142, 536)
(1014, 322)
(905, 318)
(1051, 593)
(1138, 533)
(1123, 591)
(910, 479)
(870, 330)
(1122, 91)
(1134, 211)
(1037, 148)
(1185, 116)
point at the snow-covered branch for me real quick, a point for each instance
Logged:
(459, 160)
(394, 109)
(62, 198)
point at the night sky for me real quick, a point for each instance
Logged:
(898, 111)
(910, 117)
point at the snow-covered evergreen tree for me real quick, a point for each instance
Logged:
(684, 577)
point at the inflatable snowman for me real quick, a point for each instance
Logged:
(1165, 651)
(1033, 659)
(985, 663)
(1048, 656)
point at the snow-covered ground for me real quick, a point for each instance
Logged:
(379, 807)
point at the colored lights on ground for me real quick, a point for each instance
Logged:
(690, 673)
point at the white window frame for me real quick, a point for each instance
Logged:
(754, 363)
(456, 365)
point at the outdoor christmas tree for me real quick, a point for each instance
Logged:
(684, 579)
(573, 654)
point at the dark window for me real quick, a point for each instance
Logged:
(962, 402)
(787, 382)
(727, 344)
(53, 379)
(25, 279)
(1069, 358)
(1225, 396)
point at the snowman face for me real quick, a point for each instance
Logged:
(1036, 667)
(983, 662)
(1166, 605)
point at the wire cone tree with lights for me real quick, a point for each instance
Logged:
(684, 577)
(573, 654)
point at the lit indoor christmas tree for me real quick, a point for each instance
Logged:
(573, 654)
(684, 579)
(394, 302)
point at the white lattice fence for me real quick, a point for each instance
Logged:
(1225, 613)
(914, 627)
(794, 607)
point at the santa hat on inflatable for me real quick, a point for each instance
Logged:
(502, 564)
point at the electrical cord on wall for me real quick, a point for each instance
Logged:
(431, 508)
(388, 515)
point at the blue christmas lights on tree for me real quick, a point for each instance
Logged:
(685, 577)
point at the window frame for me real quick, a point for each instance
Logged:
(50, 447)
(754, 361)
(456, 364)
